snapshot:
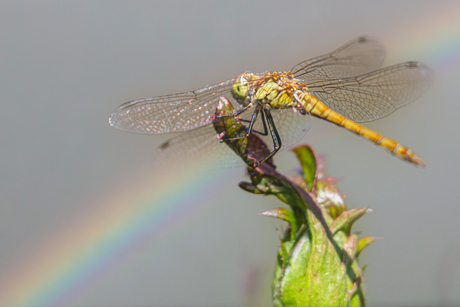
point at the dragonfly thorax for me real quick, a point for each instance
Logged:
(273, 89)
(279, 91)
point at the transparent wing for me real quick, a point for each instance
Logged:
(193, 109)
(374, 95)
(197, 145)
(290, 126)
(171, 113)
(202, 144)
(355, 58)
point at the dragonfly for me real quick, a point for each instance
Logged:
(345, 87)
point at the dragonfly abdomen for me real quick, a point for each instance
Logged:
(318, 109)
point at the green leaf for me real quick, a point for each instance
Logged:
(307, 159)
(280, 213)
(329, 196)
(285, 215)
(364, 242)
(350, 246)
(248, 187)
(317, 263)
(284, 254)
(364, 266)
(316, 276)
(357, 295)
(346, 220)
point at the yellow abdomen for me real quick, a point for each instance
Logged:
(318, 109)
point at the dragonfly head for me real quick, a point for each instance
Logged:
(241, 88)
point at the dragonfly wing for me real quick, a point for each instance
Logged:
(172, 113)
(359, 56)
(200, 146)
(291, 126)
(374, 95)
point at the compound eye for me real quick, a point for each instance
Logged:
(240, 87)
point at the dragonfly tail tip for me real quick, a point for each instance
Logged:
(418, 161)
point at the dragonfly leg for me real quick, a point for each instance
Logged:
(263, 122)
(275, 137)
(251, 124)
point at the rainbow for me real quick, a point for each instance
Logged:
(435, 42)
(103, 239)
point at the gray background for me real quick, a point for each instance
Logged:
(64, 67)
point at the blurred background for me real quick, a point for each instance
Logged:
(86, 221)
